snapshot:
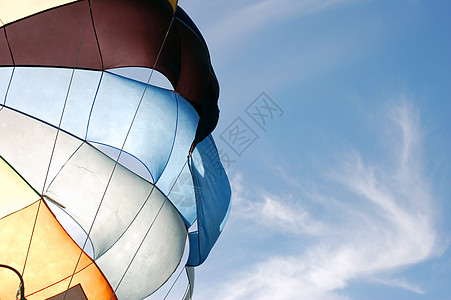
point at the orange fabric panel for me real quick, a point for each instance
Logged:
(15, 232)
(51, 260)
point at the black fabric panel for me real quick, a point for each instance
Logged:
(196, 64)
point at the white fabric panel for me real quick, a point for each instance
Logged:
(81, 185)
(26, 144)
(126, 159)
(158, 256)
(72, 227)
(190, 288)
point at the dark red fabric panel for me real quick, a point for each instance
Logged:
(131, 32)
(194, 64)
(52, 38)
(5, 56)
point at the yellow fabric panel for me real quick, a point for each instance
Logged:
(13, 10)
(173, 3)
(15, 232)
(20, 229)
(9, 284)
(15, 193)
(52, 257)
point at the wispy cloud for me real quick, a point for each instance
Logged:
(387, 222)
(242, 24)
(277, 213)
(255, 16)
(399, 282)
(279, 43)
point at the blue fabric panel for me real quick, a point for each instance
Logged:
(194, 258)
(41, 92)
(213, 194)
(153, 130)
(176, 182)
(6, 74)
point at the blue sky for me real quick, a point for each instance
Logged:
(343, 192)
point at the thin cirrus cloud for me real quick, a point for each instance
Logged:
(399, 282)
(284, 215)
(386, 222)
(252, 18)
(261, 35)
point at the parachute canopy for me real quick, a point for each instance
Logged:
(108, 152)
